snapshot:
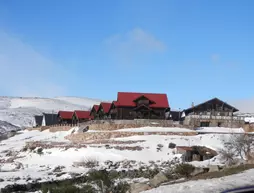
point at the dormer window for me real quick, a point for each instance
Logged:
(143, 100)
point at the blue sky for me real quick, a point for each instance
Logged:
(191, 50)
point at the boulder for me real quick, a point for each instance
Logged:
(197, 171)
(171, 145)
(139, 187)
(158, 179)
(213, 168)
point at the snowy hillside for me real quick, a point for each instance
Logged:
(19, 111)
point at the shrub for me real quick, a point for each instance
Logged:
(40, 151)
(171, 145)
(90, 163)
(68, 188)
(121, 187)
(184, 169)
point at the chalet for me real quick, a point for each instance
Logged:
(131, 105)
(94, 111)
(104, 110)
(37, 120)
(65, 117)
(214, 113)
(49, 119)
(81, 116)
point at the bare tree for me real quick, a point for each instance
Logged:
(241, 145)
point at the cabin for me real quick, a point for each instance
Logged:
(130, 105)
(65, 117)
(176, 115)
(81, 116)
(94, 111)
(37, 120)
(212, 113)
(49, 119)
(104, 110)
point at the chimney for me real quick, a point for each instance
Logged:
(192, 104)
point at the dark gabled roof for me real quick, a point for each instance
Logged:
(50, 118)
(38, 119)
(176, 115)
(128, 99)
(211, 100)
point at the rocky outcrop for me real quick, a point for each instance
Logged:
(138, 187)
(158, 179)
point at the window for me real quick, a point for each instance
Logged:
(204, 124)
(143, 101)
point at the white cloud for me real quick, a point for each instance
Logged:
(131, 45)
(26, 72)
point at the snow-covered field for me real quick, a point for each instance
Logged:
(211, 185)
(36, 165)
(220, 130)
(19, 111)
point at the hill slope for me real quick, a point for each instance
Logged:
(19, 111)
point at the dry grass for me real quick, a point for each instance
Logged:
(224, 172)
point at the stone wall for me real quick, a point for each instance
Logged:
(109, 125)
(60, 128)
(86, 137)
(193, 122)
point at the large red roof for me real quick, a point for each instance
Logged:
(65, 114)
(83, 114)
(128, 98)
(106, 106)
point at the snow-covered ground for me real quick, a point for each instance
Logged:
(20, 111)
(156, 129)
(219, 130)
(38, 166)
(211, 185)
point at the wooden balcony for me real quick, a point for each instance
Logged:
(215, 117)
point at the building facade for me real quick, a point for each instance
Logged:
(139, 106)
(212, 113)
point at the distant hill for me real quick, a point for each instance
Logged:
(19, 111)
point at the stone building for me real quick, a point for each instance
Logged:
(212, 113)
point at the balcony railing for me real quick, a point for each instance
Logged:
(216, 117)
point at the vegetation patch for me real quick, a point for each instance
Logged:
(224, 172)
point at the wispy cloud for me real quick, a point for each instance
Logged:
(26, 72)
(131, 45)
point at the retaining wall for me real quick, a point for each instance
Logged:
(86, 137)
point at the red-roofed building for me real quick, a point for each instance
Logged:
(104, 110)
(65, 117)
(94, 111)
(81, 116)
(131, 105)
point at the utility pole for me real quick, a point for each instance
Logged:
(179, 115)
